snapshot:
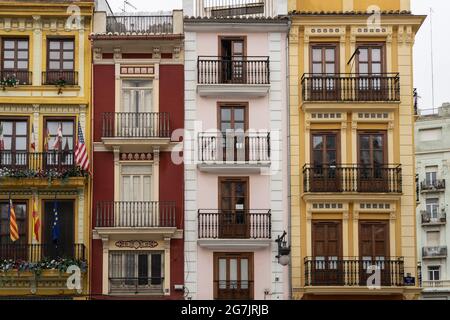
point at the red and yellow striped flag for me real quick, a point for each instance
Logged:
(36, 221)
(13, 229)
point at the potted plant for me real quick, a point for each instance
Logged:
(9, 81)
(60, 84)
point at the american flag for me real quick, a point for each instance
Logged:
(81, 156)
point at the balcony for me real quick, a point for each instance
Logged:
(433, 219)
(432, 186)
(15, 78)
(118, 217)
(39, 252)
(235, 8)
(439, 284)
(434, 252)
(20, 166)
(140, 24)
(136, 128)
(234, 152)
(352, 179)
(233, 76)
(60, 78)
(352, 272)
(234, 228)
(140, 285)
(351, 88)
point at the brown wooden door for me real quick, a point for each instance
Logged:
(233, 125)
(233, 53)
(374, 250)
(324, 67)
(370, 67)
(233, 208)
(325, 175)
(372, 169)
(14, 146)
(233, 276)
(327, 253)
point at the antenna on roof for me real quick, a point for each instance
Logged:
(125, 4)
(432, 57)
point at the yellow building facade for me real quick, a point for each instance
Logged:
(352, 149)
(45, 93)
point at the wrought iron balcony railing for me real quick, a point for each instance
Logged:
(234, 224)
(136, 125)
(427, 185)
(162, 24)
(19, 77)
(135, 214)
(430, 218)
(127, 285)
(24, 164)
(60, 78)
(353, 271)
(234, 8)
(351, 87)
(234, 147)
(434, 252)
(352, 178)
(233, 70)
(39, 252)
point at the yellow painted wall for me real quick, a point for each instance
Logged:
(347, 5)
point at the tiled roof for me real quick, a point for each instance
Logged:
(348, 13)
(248, 19)
(134, 36)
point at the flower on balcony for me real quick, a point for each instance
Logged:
(9, 81)
(59, 264)
(51, 174)
(60, 84)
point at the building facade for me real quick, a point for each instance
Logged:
(432, 156)
(352, 150)
(45, 84)
(235, 149)
(137, 212)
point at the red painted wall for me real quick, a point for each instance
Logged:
(104, 96)
(171, 93)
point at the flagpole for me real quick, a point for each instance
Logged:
(432, 58)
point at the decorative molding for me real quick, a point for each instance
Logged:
(136, 157)
(136, 244)
(371, 31)
(325, 31)
(137, 70)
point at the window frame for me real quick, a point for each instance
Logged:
(433, 272)
(61, 51)
(323, 46)
(370, 46)
(13, 136)
(16, 53)
(60, 119)
(25, 221)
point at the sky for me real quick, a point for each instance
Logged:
(422, 48)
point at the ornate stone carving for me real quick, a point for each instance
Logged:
(136, 244)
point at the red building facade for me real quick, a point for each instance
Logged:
(137, 208)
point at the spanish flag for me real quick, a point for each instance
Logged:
(13, 229)
(36, 221)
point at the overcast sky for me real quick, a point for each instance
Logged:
(422, 50)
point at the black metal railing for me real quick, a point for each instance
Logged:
(353, 271)
(351, 87)
(20, 77)
(234, 147)
(352, 178)
(233, 70)
(135, 214)
(234, 8)
(38, 252)
(427, 185)
(434, 252)
(234, 289)
(150, 285)
(136, 125)
(234, 224)
(140, 24)
(37, 163)
(429, 218)
(60, 78)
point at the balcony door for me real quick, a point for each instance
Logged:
(233, 207)
(233, 276)
(14, 250)
(374, 250)
(64, 245)
(325, 176)
(324, 67)
(373, 173)
(233, 123)
(13, 143)
(370, 67)
(136, 118)
(59, 146)
(61, 61)
(232, 50)
(15, 56)
(327, 253)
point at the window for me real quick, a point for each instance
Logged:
(68, 134)
(432, 207)
(324, 149)
(324, 59)
(430, 134)
(372, 148)
(431, 175)
(370, 59)
(21, 217)
(136, 96)
(434, 273)
(136, 272)
(233, 53)
(136, 183)
(15, 54)
(61, 55)
(14, 145)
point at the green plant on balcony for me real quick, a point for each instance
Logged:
(59, 264)
(50, 174)
(60, 84)
(9, 81)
